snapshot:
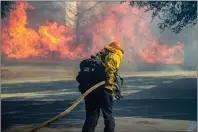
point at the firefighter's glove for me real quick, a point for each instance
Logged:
(117, 93)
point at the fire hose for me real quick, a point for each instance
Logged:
(67, 111)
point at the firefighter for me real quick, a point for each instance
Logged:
(111, 56)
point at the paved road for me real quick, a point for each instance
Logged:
(163, 98)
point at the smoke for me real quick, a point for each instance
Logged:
(144, 45)
(134, 29)
(188, 36)
(46, 11)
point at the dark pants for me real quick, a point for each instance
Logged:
(96, 101)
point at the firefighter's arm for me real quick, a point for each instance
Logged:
(112, 63)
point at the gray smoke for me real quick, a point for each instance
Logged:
(55, 12)
(50, 11)
(188, 36)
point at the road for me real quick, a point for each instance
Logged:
(172, 98)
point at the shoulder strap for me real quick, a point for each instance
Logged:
(104, 55)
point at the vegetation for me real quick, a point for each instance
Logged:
(175, 15)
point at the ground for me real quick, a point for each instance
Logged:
(153, 101)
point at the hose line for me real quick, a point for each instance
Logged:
(67, 111)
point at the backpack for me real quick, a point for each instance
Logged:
(92, 71)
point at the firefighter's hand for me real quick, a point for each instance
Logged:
(118, 95)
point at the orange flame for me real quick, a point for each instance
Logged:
(120, 22)
(160, 53)
(19, 41)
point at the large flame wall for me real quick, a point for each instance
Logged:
(120, 23)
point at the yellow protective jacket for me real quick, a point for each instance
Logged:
(112, 63)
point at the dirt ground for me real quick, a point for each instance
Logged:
(126, 125)
(20, 74)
